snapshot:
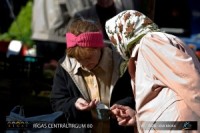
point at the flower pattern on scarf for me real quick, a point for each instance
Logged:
(127, 28)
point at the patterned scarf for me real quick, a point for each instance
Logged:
(127, 28)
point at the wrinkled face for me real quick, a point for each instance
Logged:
(105, 3)
(91, 60)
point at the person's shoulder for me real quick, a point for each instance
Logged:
(68, 63)
(112, 49)
(108, 44)
(87, 12)
(61, 60)
(153, 35)
(158, 33)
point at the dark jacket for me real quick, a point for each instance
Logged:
(66, 90)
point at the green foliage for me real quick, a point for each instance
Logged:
(5, 37)
(20, 28)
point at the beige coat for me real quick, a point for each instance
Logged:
(167, 85)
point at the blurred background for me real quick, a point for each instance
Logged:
(26, 77)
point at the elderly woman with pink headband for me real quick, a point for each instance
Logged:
(165, 75)
(89, 76)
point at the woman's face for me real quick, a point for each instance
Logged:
(92, 60)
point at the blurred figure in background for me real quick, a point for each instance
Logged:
(6, 14)
(49, 24)
(104, 10)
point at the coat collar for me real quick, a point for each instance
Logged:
(72, 67)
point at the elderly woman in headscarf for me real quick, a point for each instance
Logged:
(165, 74)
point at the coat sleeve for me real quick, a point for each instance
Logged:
(122, 92)
(62, 97)
(175, 65)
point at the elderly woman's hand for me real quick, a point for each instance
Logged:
(124, 115)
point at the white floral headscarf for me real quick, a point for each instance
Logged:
(127, 28)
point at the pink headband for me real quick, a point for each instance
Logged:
(87, 39)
